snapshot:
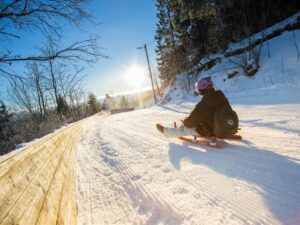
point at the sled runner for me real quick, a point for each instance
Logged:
(214, 142)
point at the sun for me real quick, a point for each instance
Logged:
(135, 76)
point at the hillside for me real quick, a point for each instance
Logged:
(278, 78)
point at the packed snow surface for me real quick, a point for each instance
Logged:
(128, 173)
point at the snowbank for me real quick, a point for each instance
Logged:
(278, 78)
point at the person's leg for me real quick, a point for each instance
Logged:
(204, 130)
(179, 131)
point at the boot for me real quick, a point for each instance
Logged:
(160, 128)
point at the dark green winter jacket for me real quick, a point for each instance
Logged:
(202, 117)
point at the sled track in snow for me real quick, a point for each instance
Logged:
(161, 180)
(128, 192)
(203, 190)
(146, 199)
(103, 198)
(134, 179)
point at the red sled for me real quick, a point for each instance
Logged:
(214, 142)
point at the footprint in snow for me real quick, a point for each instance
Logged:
(166, 170)
(135, 178)
(109, 151)
(181, 190)
(157, 166)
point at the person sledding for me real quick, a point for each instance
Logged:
(212, 116)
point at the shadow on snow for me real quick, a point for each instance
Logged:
(273, 125)
(278, 176)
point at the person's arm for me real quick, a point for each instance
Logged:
(195, 116)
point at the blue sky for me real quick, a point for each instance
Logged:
(124, 26)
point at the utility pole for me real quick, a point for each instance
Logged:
(154, 95)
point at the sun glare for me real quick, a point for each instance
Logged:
(136, 76)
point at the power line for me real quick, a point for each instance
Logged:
(151, 42)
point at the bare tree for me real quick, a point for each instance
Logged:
(69, 79)
(248, 61)
(70, 84)
(41, 14)
(47, 17)
(21, 94)
(86, 50)
(61, 71)
(35, 74)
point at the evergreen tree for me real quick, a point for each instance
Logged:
(198, 20)
(93, 104)
(188, 30)
(62, 106)
(6, 129)
(183, 35)
(165, 39)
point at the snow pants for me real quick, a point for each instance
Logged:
(179, 131)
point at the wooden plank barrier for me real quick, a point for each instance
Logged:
(114, 111)
(37, 183)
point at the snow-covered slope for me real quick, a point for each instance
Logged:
(278, 79)
(128, 173)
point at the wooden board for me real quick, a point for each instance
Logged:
(37, 183)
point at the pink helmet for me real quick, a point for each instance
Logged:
(203, 84)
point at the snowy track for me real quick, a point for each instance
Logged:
(128, 173)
